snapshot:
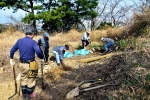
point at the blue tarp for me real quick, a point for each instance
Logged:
(82, 52)
(68, 54)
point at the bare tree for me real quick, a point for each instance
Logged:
(15, 22)
(101, 9)
(140, 6)
(115, 12)
(118, 11)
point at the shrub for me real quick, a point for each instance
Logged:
(2, 28)
(139, 25)
(123, 43)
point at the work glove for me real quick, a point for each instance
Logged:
(42, 61)
(12, 62)
(89, 40)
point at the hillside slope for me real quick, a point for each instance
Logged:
(129, 68)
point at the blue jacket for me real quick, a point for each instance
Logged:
(44, 42)
(27, 49)
(61, 51)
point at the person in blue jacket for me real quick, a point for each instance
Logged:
(27, 48)
(109, 42)
(43, 42)
(59, 52)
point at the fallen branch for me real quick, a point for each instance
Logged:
(94, 58)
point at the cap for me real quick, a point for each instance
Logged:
(46, 34)
(102, 38)
(29, 29)
(67, 47)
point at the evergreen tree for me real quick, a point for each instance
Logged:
(55, 14)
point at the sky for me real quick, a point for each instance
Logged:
(5, 14)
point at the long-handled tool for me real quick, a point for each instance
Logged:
(42, 65)
(43, 85)
(14, 83)
(85, 86)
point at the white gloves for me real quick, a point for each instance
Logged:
(42, 61)
(12, 62)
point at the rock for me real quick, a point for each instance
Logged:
(1, 69)
(18, 77)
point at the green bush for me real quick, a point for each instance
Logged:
(94, 46)
(122, 44)
(147, 83)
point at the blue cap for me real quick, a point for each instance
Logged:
(46, 34)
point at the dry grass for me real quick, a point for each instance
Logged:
(9, 37)
(62, 38)
(110, 32)
(73, 38)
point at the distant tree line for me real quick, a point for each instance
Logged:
(56, 15)
(62, 15)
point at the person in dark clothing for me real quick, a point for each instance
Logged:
(28, 66)
(43, 42)
(85, 39)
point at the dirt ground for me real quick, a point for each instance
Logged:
(123, 67)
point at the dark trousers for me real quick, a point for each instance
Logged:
(26, 92)
(46, 53)
(84, 43)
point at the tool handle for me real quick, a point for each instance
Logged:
(99, 86)
(14, 72)
(43, 85)
(88, 81)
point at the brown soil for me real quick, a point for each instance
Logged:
(129, 69)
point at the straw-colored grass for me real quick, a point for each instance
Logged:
(73, 38)
(62, 38)
(110, 32)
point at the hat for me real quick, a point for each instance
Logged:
(67, 47)
(102, 38)
(46, 34)
(88, 31)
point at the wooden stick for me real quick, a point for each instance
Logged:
(94, 58)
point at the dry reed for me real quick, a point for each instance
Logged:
(10, 36)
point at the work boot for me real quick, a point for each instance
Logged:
(58, 64)
(33, 95)
(46, 63)
(67, 68)
(105, 52)
(24, 97)
(109, 50)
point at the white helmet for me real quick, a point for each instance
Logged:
(102, 38)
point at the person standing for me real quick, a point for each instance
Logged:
(59, 52)
(109, 42)
(28, 66)
(85, 39)
(43, 42)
